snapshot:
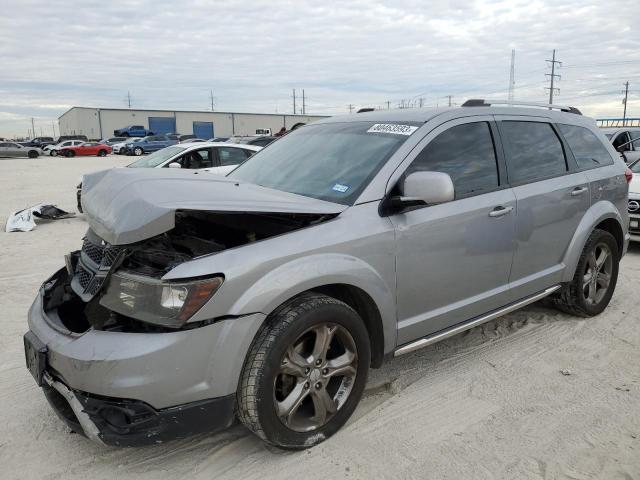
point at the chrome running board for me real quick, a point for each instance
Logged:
(450, 332)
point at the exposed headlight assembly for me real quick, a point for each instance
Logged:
(169, 304)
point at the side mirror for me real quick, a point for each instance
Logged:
(175, 165)
(424, 188)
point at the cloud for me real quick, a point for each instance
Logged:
(363, 53)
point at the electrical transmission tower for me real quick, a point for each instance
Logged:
(512, 76)
(624, 102)
(212, 98)
(552, 76)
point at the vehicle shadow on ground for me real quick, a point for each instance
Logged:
(227, 448)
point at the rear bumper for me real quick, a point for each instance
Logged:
(132, 423)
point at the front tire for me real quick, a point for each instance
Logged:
(594, 282)
(53, 153)
(305, 372)
(32, 154)
(138, 151)
(69, 153)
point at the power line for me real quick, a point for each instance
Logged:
(553, 76)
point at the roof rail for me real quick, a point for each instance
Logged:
(480, 102)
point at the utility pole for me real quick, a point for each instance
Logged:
(388, 105)
(211, 98)
(421, 102)
(512, 77)
(304, 108)
(33, 129)
(350, 108)
(129, 99)
(553, 76)
(624, 102)
(449, 97)
(294, 101)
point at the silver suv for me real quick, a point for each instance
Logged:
(268, 294)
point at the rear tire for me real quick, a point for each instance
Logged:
(305, 372)
(102, 153)
(594, 282)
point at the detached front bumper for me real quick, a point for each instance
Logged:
(132, 423)
(177, 382)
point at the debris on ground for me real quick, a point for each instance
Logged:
(25, 220)
(566, 372)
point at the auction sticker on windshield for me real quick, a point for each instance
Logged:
(392, 128)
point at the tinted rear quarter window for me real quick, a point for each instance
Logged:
(535, 151)
(466, 152)
(586, 147)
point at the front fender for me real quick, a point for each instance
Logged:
(308, 272)
(598, 212)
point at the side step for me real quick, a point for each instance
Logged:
(461, 327)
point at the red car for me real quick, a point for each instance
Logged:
(87, 148)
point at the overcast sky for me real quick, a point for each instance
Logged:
(169, 55)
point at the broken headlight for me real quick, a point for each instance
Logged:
(169, 304)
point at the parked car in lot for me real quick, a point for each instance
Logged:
(132, 131)
(149, 144)
(63, 138)
(272, 291)
(259, 140)
(193, 140)
(113, 140)
(634, 202)
(218, 158)
(624, 141)
(53, 150)
(13, 149)
(119, 147)
(39, 142)
(86, 148)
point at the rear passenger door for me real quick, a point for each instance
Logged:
(453, 259)
(552, 196)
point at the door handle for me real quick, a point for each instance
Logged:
(578, 191)
(500, 211)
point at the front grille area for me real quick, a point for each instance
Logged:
(634, 207)
(97, 259)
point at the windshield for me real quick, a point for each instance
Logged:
(332, 162)
(157, 158)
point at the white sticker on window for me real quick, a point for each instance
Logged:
(392, 128)
(338, 187)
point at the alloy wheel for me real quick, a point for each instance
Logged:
(597, 275)
(315, 378)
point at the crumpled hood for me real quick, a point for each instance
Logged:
(127, 205)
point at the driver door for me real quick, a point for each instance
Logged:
(453, 259)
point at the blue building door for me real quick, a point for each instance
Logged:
(203, 130)
(162, 125)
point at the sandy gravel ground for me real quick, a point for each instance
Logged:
(488, 404)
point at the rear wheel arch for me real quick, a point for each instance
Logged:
(613, 226)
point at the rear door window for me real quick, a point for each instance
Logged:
(231, 156)
(466, 152)
(586, 147)
(535, 151)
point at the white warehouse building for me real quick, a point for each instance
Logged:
(97, 123)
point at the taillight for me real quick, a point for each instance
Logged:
(628, 175)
